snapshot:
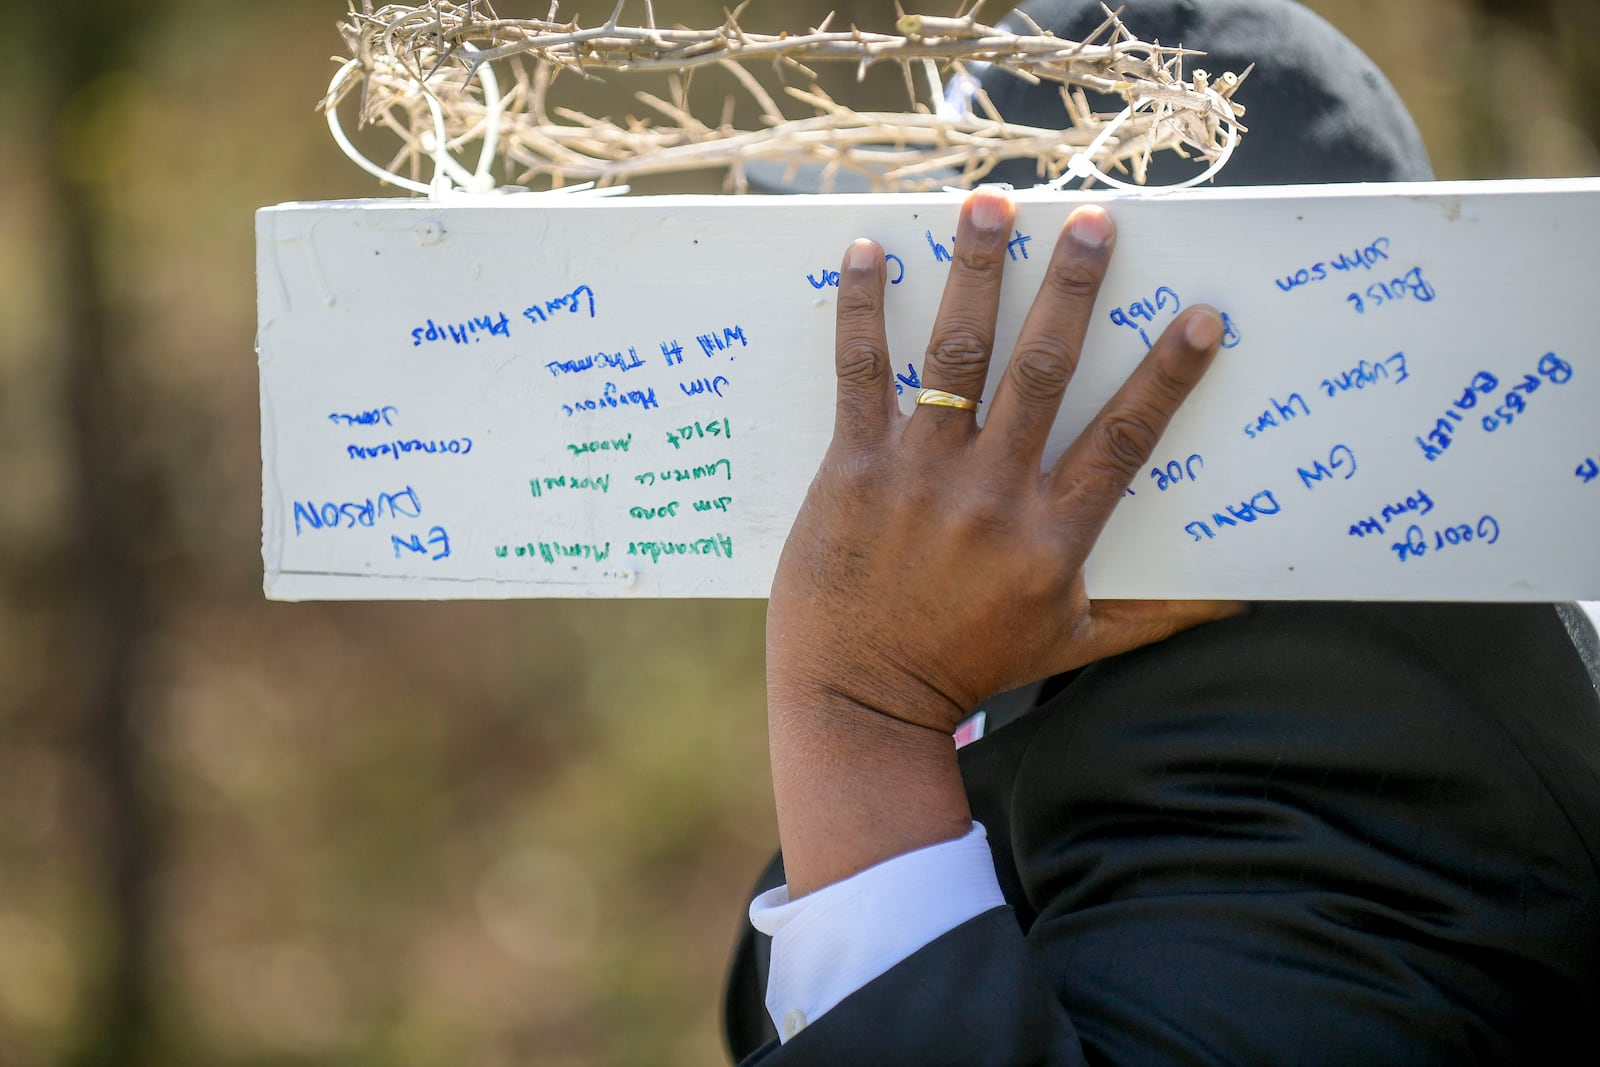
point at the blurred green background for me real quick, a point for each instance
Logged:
(242, 833)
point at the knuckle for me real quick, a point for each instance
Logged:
(861, 362)
(1168, 386)
(859, 302)
(1125, 439)
(1044, 577)
(913, 502)
(976, 517)
(1074, 278)
(1039, 376)
(959, 348)
(855, 476)
(977, 260)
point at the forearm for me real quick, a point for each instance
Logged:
(855, 787)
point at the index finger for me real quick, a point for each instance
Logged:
(865, 402)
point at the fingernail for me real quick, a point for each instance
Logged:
(1090, 226)
(990, 211)
(1203, 331)
(861, 255)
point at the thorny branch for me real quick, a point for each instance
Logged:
(410, 57)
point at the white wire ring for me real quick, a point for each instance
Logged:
(447, 173)
(1082, 165)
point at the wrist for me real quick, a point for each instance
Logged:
(865, 697)
(855, 787)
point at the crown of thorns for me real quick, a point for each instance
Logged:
(427, 73)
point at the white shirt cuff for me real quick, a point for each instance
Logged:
(830, 943)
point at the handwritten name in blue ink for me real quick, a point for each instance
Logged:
(1552, 368)
(1258, 506)
(1281, 413)
(1588, 470)
(608, 360)
(550, 551)
(1340, 460)
(715, 386)
(1416, 545)
(1016, 247)
(436, 546)
(1359, 259)
(894, 267)
(612, 396)
(1175, 472)
(720, 545)
(463, 333)
(373, 417)
(687, 474)
(1367, 373)
(1445, 426)
(714, 342)
(600, 483)
(1375, 525)
(698, 431)
(403, 504)
(609, 444)
(1295, 406)
(1409, 285)
(580, 299)
(454, 446)
(1165, 299)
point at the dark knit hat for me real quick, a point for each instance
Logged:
(1317, 109)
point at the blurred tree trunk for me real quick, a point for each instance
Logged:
(112, 613)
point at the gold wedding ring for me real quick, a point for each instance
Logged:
(940, 399)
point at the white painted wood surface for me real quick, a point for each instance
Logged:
(526, 396)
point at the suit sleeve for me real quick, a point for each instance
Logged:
(831, 942)
(972, 997)
(1317, 834)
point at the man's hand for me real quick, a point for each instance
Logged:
(933, 563)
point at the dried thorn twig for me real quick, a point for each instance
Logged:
(409, 54)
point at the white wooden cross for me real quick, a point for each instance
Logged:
(544, 395)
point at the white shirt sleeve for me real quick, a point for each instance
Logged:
(830, 943)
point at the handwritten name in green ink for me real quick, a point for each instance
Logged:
(540, 486)
(720, 428)
(610, 444)
(550, 551)
(687, 474)
(720, 545)
(665, 511)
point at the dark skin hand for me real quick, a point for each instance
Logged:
(934, 564)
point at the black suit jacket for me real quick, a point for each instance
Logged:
(1331, 833)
